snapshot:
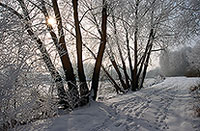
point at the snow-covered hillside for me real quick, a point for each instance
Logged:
(165, 106)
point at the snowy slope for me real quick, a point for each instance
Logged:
(165, 106)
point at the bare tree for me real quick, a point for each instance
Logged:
(84, 91)
(62, 49)
(95, 78)
(127, 86)
(45, 56)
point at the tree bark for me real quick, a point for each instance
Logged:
(135, 79)
(118, 72)
(95, 78)
(62, 49)
(148, 48)
(108, 75)
(84, 91)
(145, 52)
(146, 65)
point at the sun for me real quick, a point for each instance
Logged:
(51, 21)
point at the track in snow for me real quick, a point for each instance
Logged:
(161, 107)
(165, 106)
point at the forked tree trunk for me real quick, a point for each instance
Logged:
(129, 56)
(62, 50)
(145, 53)
(126, 86)
(148, 49)
(116, 86)
(152, 35)
(146, 66)
(56, 42)
(84, 91)
(95, 77)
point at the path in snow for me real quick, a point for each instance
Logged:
(165, 106)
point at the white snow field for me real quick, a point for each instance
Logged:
(165, 106)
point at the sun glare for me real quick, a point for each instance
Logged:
(51, 21)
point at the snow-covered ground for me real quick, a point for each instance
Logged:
(165, 106)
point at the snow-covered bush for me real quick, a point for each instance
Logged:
(23, 98)
(193, 58)
(183, 62)
(174, 63)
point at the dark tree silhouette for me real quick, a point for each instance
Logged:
(84, 91)
(95, 78)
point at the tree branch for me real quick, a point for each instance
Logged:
(11, 10)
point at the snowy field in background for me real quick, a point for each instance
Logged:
(167, 105)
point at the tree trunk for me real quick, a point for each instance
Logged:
(118, 72)
(148, 49)
(129, 57)
(84, 91)
(127, 86)
(151, 39)
(135, 79)
(108, 75)
(62, 50)
(45, 56)
(95, 78)
(146, 65)
(54, 73)
(145, 52)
